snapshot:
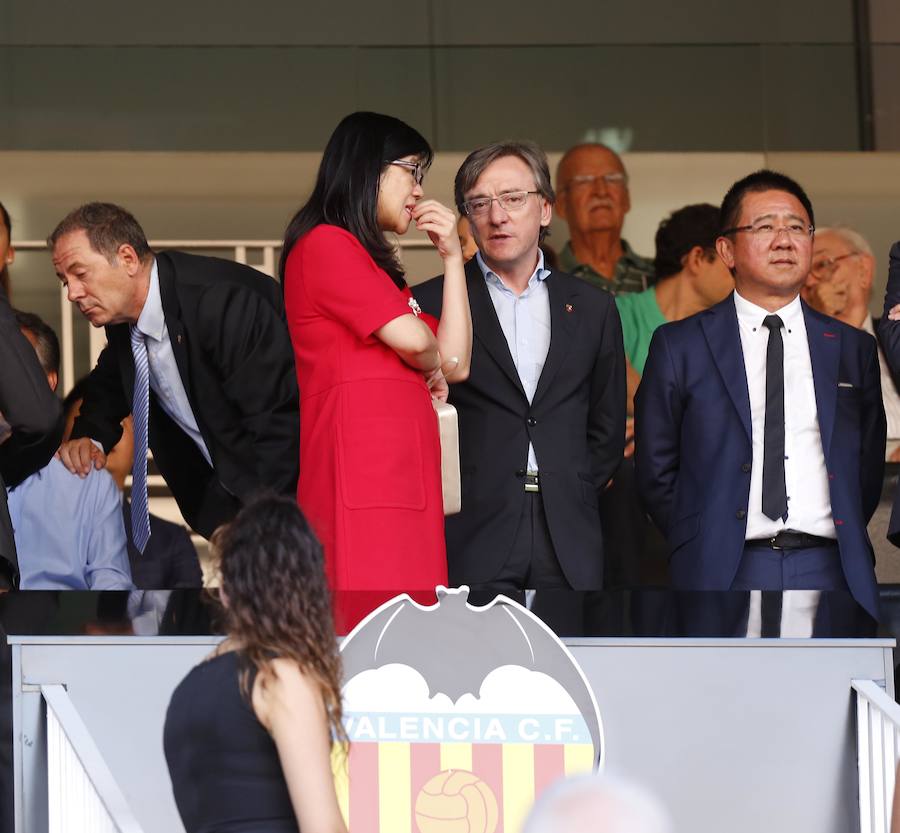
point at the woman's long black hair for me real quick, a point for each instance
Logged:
(346, 191)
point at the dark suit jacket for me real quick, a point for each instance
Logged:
(576, 423)
(889, 337)
(693, 451)
(231, 344)
(35, 416)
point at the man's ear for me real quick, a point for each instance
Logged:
(128, 257)
(10, 255)
(725, 248)
(53, 380)
(866, 271)
(546, 212)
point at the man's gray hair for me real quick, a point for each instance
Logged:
(478, 160)
(850, 236)
(597, 804)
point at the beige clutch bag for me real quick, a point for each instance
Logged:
(448, 428)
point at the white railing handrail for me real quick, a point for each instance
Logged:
(61, 709)
(239, 249)
(878, 751)
(40, 245)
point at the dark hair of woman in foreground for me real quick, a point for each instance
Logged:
(249, 731)
(276, 599)
(346, 190)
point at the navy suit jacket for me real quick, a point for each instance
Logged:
(693, 452)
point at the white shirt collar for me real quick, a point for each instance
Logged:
(152, 320)
(540, 273)
(752, 315)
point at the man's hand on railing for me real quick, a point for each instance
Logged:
(79, 455)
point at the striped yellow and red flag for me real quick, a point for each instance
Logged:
(378, 783)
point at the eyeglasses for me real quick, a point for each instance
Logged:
(511, 201)
(826, 265)
(418, 170)
(767, 232)
(610, 180)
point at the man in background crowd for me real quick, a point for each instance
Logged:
(759, 424)
(690, 277)
(68, 529)
(843, 259)
(592, 197)
(542, 414)
(169, 561)
(198, 352)
(30, 415)
(597, 804)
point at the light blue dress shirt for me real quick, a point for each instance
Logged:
(525, 321)
(69, 531)
(165, 380)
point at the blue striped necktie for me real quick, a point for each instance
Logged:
(140, 409)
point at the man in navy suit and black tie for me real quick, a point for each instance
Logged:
(759, 424)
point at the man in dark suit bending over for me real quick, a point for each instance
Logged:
(542, 414)
(759, 424)
(199, 353)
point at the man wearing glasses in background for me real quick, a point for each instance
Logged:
(840, 284)
(542, 414)
(592, 197)
(760, 429)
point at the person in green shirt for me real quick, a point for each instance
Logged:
(690, 277)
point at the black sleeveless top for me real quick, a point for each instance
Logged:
(224, 766)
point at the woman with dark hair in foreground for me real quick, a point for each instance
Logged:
(248, 732)
(370, 478)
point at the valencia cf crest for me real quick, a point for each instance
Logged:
(458, 717)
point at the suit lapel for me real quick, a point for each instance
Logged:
(720, 326)
(486, 326)
(563, 323)
(172, 313)
(824, 340)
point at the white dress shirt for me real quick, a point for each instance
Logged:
(805, 473)
(525, 321)
(165, 380)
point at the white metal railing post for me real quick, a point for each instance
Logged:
(877, 726)
(82, 794)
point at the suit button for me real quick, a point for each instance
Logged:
(532, 421)
(520, 472)
(745, 467)
(741, 514)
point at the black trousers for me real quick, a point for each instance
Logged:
(532, 562)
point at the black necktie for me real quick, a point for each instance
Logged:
(774, 492)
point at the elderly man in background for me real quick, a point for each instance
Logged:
(597, 804)
(840, 284)
(593, 199)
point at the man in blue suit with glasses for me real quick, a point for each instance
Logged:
(759, 423)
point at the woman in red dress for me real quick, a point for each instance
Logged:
(368, 362)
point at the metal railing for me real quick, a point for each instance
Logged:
(878, 751)
(82, 794)
(264, 252)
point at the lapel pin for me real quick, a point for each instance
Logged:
(178, 338)
(569, 308)
(829, 335)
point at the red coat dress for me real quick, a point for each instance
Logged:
(370, 479)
